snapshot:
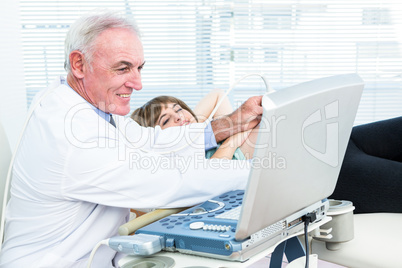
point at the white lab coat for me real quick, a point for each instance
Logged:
(75, 176)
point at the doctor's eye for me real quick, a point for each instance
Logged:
(123, 70)
(141, 66)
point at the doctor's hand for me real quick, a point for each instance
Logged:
(246, 117)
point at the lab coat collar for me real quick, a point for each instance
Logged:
(102, 114)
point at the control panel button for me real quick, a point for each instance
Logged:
(196, 225)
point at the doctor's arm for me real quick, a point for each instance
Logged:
(246, 117)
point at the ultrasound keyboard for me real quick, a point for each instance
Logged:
(209, 229)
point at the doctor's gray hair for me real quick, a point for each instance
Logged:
(86, 29)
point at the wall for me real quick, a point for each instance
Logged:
(12, 86)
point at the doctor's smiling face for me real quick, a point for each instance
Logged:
(114, 71)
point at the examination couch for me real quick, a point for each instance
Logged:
(371, 178)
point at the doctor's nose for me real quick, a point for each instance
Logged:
(134, 81)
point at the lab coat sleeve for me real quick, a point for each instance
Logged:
(167, 168)
(150, 180)
(184, 140)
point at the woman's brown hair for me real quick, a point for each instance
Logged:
(148, 114)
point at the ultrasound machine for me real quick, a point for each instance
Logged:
(307, 129)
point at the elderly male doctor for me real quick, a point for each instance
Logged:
(75, 174)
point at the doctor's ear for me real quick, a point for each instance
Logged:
(77, 63)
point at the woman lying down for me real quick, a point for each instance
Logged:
(167, 111)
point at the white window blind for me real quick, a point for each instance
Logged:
(192, 47)
(296, 41)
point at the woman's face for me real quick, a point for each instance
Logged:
(173, 115)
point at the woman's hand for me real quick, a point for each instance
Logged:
(237, 139)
